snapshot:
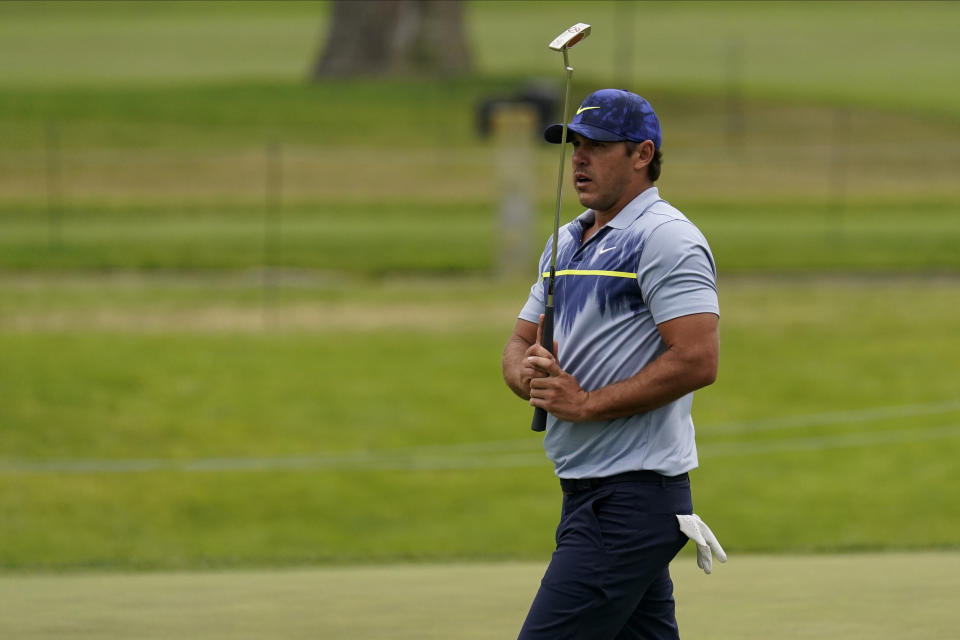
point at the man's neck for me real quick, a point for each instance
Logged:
(602, 218)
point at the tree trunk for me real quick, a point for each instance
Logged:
(382, 37)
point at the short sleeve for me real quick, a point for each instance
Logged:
(676, 273)
(537, 299)
(535, 303)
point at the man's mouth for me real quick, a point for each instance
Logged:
(581, 179)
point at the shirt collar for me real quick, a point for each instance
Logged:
(628, 215)
(634, 209)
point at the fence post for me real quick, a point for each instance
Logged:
(271, 224)
(513, 126)
(837, 178)
(736, 120)
(54, 205)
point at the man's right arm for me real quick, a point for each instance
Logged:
(517, 372)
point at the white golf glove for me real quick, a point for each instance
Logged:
(698, 531)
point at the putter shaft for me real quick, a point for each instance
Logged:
(572, 35)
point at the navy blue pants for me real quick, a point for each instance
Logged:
(609, 576)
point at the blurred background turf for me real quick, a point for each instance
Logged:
(250, 319)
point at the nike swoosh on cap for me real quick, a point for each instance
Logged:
(582, 109)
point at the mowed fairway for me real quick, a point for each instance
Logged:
(172, 424)
(893, 596)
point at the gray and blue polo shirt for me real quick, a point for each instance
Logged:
(648, 265)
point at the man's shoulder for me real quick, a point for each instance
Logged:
(663, 219)
(662, 212)
(648, 211)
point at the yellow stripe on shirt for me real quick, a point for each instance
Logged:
(593, 272)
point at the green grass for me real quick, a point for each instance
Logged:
(840, 52)
(226, 114)
(149, 179)
(836, 51)
(460, 238)
(139, 434)
(869, 597)
(168, 403)
(83, 43)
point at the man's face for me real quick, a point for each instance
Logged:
(605, 177)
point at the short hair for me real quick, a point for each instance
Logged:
(653, 169)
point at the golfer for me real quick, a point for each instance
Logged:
(636, 333)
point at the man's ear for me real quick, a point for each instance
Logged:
(643, 154)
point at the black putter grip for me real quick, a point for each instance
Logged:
(546, 341)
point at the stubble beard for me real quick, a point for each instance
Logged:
(603, 200)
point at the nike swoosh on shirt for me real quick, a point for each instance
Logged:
(582, 109)
(604, 250)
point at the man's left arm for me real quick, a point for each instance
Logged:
(688, 363)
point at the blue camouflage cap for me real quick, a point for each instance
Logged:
(611, 115)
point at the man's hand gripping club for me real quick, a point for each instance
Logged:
(552, 388)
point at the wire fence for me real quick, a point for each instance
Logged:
(527, 452)
(796, 167)
(273, 203)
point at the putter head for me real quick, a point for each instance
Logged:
(570, 37)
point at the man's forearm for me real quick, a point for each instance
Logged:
(512, 366)
(669, 377)
(688, 363)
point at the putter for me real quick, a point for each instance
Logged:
(562, 42)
